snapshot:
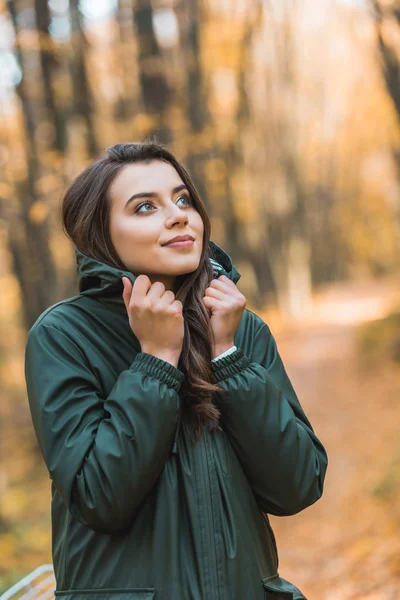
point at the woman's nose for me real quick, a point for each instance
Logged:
(178, 214)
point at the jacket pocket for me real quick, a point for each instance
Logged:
(277, 588)
(107, 594)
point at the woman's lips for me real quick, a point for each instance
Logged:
(185, 244)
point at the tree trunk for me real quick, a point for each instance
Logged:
(28, 233)
(49, 63)
(390, 66)
(190, 16)
(156, 93)
(126, 103)
(83, 105)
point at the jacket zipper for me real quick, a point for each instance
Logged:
(205, 489)
(207, 460)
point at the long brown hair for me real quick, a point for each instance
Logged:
(85, 220)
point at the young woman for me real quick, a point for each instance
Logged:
(161, 405)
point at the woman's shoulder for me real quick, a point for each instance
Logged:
(60, 315)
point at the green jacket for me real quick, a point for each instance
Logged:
(135, 516)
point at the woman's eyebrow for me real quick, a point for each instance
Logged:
(176, 189)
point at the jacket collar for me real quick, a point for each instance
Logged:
(96, 278)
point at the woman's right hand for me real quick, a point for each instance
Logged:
(155, 317)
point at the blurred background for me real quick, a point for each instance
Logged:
(287, 114)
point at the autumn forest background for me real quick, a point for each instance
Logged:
(287, 114)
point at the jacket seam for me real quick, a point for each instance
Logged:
(216, 533)
(202, 526)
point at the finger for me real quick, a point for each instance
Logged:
(178, 306)
(206, 304)
(211, 302)
(126, 295)
(213, 293)
(156, 291)
(140, 288)
(169, 297)
(222, 283)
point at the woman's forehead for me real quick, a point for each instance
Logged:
(154, 176)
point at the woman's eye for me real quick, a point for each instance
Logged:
(188, 200)
(143, 204)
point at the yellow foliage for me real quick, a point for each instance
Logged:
(8, 551)
(244, 202)
(16, 169)
(11, 372)
(37, 539)
(15, 502)
(216, 170)
(47, 184)
(38, 211)
(6, 190)
(222, 43)
(218, 229)
(143, 123)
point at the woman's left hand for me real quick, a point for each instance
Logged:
(227, 305)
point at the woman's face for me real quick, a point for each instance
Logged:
(140, 226)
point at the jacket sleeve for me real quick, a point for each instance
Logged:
(103, 454)
(284, 461)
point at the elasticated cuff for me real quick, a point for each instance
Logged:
(158, 368)
(230, 365)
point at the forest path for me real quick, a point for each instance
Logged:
(346, 546)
